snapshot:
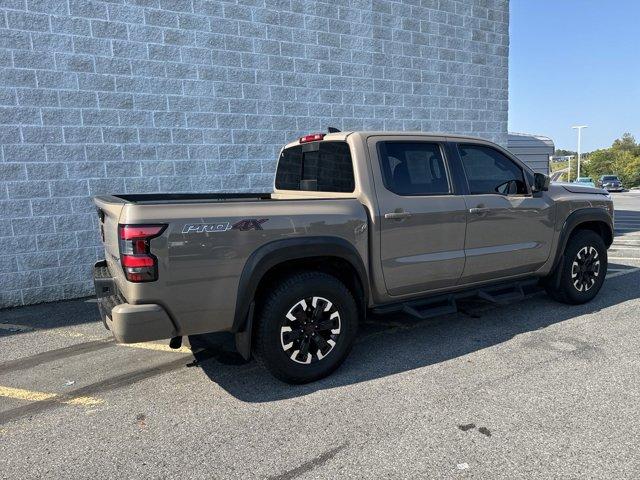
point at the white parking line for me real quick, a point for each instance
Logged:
(160, 347)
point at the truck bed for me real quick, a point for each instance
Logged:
(165, 198)
(199, 271)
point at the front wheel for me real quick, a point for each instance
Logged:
(582, 271)
(306, 327)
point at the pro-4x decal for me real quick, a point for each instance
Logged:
(206, 227)
(249, 224)
(242, 225)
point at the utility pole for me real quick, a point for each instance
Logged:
(579, 128)
(569, 169)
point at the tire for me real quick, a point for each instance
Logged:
(284, 326)
(583, 269)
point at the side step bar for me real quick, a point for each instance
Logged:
(497, 294)
(503, 298)
(424, 311)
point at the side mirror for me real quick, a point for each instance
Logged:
(540, 182)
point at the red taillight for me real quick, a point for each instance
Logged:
(129, 232)
(314, 137)
(138, 263)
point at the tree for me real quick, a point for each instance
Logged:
(622, 159)
(626, 144)
(601, 162)
(628, 165)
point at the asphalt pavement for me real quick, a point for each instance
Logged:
(534, 389)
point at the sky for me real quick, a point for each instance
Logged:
(575, 62)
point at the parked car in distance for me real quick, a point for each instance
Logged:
(585, 181)
(611, 183)
(357, 222)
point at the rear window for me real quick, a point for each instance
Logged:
(316, 166)
(609, 177)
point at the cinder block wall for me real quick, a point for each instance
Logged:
(193, 95)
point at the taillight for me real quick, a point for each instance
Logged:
(314, 137)
(138, 263)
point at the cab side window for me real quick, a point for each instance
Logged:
(413, 168)
(489, 171)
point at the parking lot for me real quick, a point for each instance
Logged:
(532, 389)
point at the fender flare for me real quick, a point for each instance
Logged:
(277, 252)
(574, 220)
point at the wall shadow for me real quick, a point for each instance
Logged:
(45, 316)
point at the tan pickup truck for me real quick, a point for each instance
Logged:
(356, 221)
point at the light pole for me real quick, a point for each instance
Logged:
(579, 128)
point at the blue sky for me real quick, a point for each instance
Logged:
(575, 62)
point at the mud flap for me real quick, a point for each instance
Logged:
(553, 279)
(243, 339)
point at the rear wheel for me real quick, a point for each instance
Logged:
(582, 272)
(306, 327)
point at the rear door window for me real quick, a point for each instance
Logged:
(316, 166)
(413, 168)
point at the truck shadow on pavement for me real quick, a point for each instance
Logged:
(390, 344)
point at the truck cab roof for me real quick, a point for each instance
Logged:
(342, 136)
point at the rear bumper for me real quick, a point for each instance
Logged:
(128, 323)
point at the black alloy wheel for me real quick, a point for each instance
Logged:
(310, 330)
(585, 268)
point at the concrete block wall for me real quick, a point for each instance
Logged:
(196, 95)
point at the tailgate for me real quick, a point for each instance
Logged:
(109, 210)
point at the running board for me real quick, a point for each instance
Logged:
(429, 311)
(502, 298)
(497, 294)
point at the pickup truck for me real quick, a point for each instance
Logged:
(610, 183)
(357, 221)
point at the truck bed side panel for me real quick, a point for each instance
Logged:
(205, 247)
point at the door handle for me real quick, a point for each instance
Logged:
(397, 215)
(478, 210)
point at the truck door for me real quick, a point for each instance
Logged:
(422, 220)
(509, 230)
